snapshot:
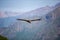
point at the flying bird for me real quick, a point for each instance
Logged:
(29, 21)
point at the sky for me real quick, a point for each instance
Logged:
(25, 5)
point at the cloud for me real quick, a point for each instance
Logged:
(2, 15)
(9, 14)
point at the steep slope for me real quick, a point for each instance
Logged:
(19, 30)
(43, 30)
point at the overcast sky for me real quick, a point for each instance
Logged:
(25, 5)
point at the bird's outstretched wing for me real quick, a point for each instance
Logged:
(36, 20)
(24, 20)
(29, 21)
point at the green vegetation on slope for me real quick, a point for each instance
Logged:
(3, 38)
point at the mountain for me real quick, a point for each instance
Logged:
(20, 30)
(38, 30)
